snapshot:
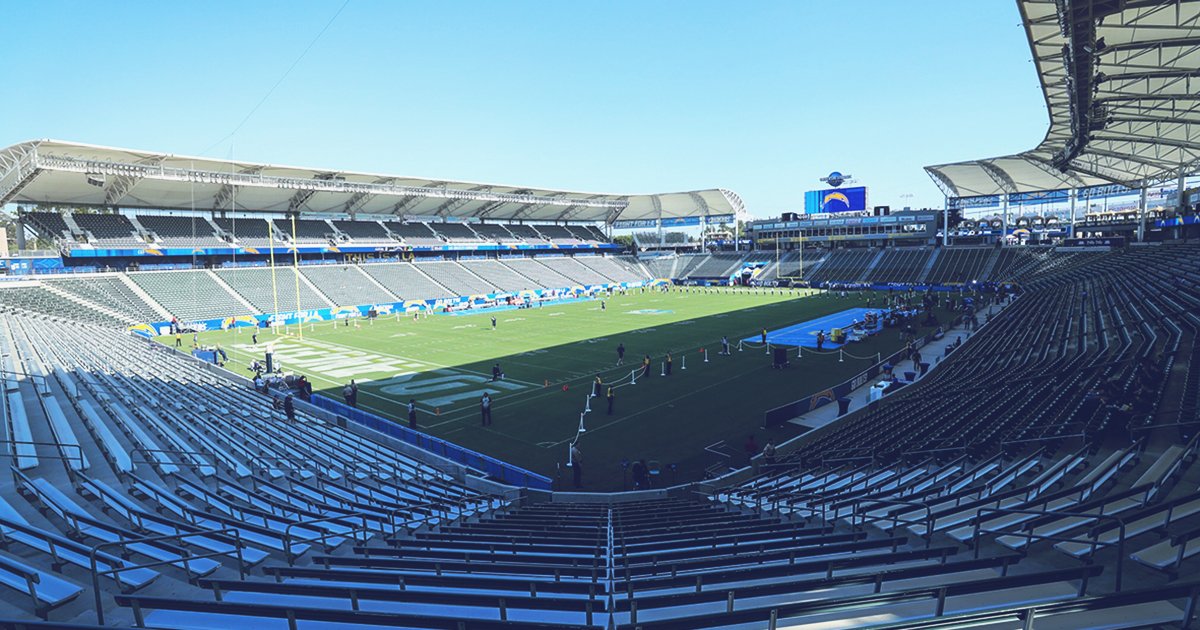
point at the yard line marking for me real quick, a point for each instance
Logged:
(447, 367)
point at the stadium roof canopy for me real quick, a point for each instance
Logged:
(1122, 84)
(63, 173)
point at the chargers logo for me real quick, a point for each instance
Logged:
(835, 201)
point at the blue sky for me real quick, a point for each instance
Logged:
(654, 96)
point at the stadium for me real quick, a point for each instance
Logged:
(240, 394)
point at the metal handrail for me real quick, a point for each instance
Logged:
(289, 538)
(896, 520)
(440, 505)
(1027, 531)
(124, 544)
(62, 457)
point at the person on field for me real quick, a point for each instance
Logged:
(485, 409)
(412, 414)
(611, 397)
(620, 353)
(668, 364)
(493, 322)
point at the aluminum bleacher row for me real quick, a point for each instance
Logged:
(994, 492)
(196, 230)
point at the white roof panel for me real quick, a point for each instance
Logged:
(1122, 86)
(55, 172)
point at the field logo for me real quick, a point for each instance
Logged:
(649, 311)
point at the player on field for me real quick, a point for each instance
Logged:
(724, 345)
(620, 353)
(668, 361)
(493, 322)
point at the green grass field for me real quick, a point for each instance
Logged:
(445, 362)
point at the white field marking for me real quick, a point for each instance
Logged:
(339, 383)
(444, 381)
(450, 367)
(554, 314)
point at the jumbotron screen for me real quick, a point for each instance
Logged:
(835, 200)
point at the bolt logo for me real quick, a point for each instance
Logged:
(835, 197)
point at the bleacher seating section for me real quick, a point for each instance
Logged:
(843, 265)
(660, 266)
(248, 232)
(718, 265)
(900, 265)
(538, 273)
(578, 272)
(960, 265)
(264, 293)
(613, 269)
(346, 285)
(688, 263)
(987, 494)
(109, 292)
(495, 232)
(307, 231)
(190, 295)
(110, 230)
(181, 231)
(456, 232)
(458, 279)
(525, 233)
(407, 281)
(414, 233)
(365, 232)
(557, 234)
(49, 224)
(115, 230)
(498, 275)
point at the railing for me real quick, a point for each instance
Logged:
(1026, 530)
(12, 452)
(441, 509)
(289, 539)
(187, 556)
(856, 512)
(180, 462)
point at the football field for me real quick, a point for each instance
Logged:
(550, 357)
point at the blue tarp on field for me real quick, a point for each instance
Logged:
(805, 333)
